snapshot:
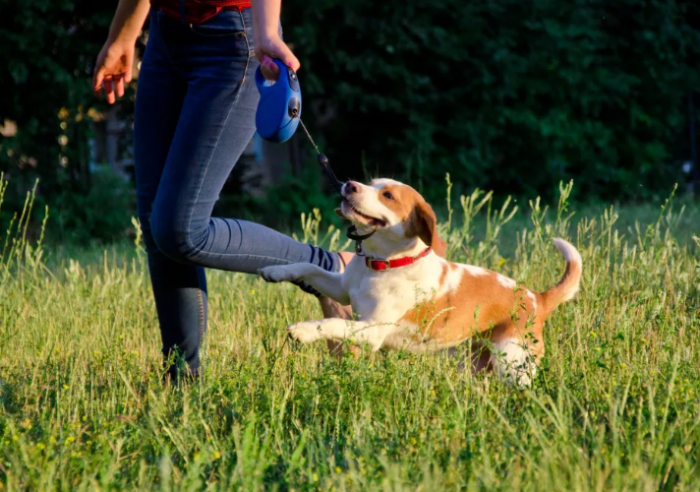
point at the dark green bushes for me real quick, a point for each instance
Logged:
(508, 95)
(504, 94)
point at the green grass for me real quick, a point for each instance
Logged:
(615, 406)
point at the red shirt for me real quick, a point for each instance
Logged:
(197, 11)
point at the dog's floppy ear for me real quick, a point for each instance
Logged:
(423, 224)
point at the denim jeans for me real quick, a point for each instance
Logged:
(195, 114)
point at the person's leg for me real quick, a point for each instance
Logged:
(216, 123)
(179, 290)
(215, 120)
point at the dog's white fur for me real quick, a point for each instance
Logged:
(388, 303)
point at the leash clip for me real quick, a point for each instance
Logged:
(358, 238)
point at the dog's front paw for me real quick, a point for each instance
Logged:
(305, 331)
(277, 273)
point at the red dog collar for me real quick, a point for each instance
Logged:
(381, 265)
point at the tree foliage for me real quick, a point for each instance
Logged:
(47, 48)
(47, 51)
(509, 95)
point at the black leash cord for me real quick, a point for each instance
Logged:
(323, 160)
(338, 186)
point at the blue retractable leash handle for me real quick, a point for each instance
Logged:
(279, 109)
(279, 113)
(278, 117)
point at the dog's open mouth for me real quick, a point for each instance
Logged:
(351, 212)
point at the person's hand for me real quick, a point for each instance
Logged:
(113, 69)
(268, 47)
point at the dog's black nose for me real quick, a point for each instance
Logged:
(351, 187)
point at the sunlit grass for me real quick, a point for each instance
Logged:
(615, 407)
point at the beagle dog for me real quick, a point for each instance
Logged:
(409, 297)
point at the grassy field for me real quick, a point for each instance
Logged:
(615, 406)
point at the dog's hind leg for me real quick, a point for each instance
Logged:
(333, 309)
(516, 359)
(481, 358)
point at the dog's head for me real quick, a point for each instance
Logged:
(398, 215)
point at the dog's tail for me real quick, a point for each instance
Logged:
(567, 287)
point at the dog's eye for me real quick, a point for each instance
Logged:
(388, 195)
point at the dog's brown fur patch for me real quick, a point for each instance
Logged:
(479, 304)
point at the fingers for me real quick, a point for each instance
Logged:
(288, 58)
(275, 48)
(119, 84)
(128, 74)
(269, 69)
(129, 64)
(97, 81)
(282, 52)
(270, 73)
(114, 86)
(114, 70)
(108, 87)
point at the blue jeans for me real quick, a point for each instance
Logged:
(195, 114)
